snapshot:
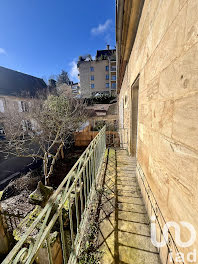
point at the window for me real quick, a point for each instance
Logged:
(92, 77)
(107, 68)
(107, 77)
(113, 77)
(113, 86)
(107, 85)
(92, 85)
(26, 125)
(91, 69)
(2, 131)
(23, 106)
(2, 109)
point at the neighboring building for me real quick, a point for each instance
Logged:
(106, 113)
(98, 76)
(98, 116)
(157, 60)
(71, 90)
(75, 89)
(16, 91)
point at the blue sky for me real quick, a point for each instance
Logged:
(41, 37)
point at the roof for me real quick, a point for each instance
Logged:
(15, 83)
(105, 53)
(102, 109)
(99, 107)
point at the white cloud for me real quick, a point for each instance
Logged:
(73, 71)
(101, 28)
(2, 51)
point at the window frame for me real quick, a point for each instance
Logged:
(2, 105)
(114, 88)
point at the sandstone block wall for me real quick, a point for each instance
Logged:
(165, 54)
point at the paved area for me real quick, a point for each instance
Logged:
(124, 235)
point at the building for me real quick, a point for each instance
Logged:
(75, 89)
(98, 76)
(157, 57)
(70, 90)
(16, 91)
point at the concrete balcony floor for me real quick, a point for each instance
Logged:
(124, 229)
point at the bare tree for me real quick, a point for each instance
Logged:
(44, 130)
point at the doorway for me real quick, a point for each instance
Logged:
(134, 117)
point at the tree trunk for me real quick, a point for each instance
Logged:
(62, 153)
(53, 162)
(45, 163)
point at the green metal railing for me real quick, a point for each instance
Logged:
(76, 191)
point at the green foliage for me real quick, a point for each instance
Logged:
(91, 254)
(99, 125)
(89, 258)
(80, 58)
(103, 99)
(63, 78)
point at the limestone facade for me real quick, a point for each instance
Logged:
(164, 58)
(10, 106)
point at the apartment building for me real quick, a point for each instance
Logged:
(98, 76)
(16, 92)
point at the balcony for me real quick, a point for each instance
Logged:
(113, 68)
(119, 183)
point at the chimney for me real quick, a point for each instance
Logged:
(108, 46)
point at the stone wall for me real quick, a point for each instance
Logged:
(4, 239)
(10, 106)
(165, 54)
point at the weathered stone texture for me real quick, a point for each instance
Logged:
(186, 109)
(124, 231)
(165, 54)
(191, 31)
